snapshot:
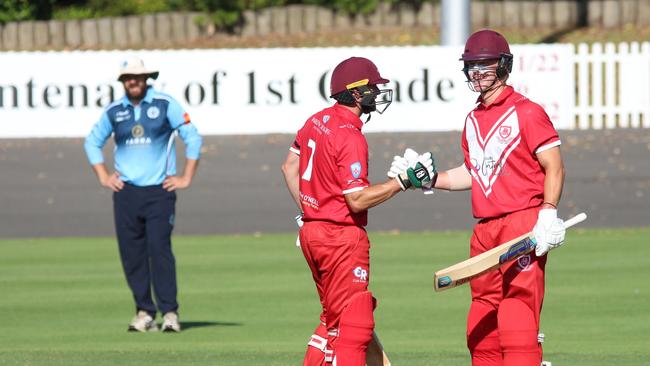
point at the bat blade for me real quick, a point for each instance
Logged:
(468, 269)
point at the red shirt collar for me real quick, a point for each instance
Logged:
(348, 114)
(505, 93)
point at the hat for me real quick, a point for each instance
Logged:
(485, 44)
(135, 66)
(354, 72)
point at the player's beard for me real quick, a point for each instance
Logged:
(135, 91)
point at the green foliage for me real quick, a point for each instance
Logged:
(223, 13)
(16, 10)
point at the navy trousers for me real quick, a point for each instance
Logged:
(144, 220)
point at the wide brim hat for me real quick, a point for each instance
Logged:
(135, 66)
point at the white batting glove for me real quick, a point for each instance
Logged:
(549, 231)
(411, 156)
(299, 222)
(397, 167)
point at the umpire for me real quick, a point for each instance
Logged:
(144, 124)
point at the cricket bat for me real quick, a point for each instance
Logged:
(466, 270)
(375, 355)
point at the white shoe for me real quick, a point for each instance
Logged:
(143, 322)
(170, 322)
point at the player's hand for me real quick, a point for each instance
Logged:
(422, 175)
(113, 182)
(411, 156)
(299, 222)
(549, 231)
(398, 166)
(172, 183)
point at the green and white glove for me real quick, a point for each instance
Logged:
(422, 175)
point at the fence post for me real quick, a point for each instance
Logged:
(89, 36)
(528, 14)
(56, 29)
(582, 57)
(611, 85)
(41, 35)
(26, 35)
(105, 32)
(426, 15)
(594, 13)
(72, 33)
(597, 85)
(643, 13)
(611, 13)
(645, 65)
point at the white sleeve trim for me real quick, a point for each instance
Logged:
(355, 189)
(294, 150)
(548, 146)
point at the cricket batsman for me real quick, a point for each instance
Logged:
(514, 168)
(326, 171)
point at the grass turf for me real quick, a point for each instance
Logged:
(249, 300)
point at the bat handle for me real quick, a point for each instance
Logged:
(575, 220)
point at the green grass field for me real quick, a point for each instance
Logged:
(249, 300)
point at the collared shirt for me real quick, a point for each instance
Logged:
(500, 142)
(144, 137)
(333, 162)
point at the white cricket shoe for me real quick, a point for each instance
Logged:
(142, 322)
(170, 322)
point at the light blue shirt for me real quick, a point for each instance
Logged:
(145, 152)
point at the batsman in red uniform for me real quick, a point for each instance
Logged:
(326, 171)
(514, 168)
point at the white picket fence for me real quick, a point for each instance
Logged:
(603, 80)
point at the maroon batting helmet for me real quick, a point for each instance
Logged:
(487, 44)
(354, 72)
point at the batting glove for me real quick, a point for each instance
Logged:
(299, 222)
(549, 231)
(422, 175)
(397, 167)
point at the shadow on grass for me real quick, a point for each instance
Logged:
(199, 324)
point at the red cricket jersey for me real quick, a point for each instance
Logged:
(333, 162)
(500, 143)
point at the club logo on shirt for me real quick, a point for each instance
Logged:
(153, 112)
(355, 168)
(137, 131)
(326, 118)
(138, 136)
(523, 263)
(361, 274)
(504, 131)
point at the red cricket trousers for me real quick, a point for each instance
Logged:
(339, 259)
(503, 320)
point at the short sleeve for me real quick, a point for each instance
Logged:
(465, 148)
(295, 145)
(537, 128)
(352, 162)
